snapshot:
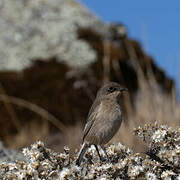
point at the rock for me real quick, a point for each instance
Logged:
(9, 155)
(42, 29)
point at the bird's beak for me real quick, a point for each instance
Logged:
(123, 89)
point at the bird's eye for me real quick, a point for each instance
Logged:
(111, 89)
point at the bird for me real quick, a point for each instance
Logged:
(103, 120)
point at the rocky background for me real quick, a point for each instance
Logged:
(54, 55)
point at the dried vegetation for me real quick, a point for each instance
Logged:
(162, 160)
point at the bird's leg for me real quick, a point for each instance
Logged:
(81, 153)
(104, 149)
(98, 152)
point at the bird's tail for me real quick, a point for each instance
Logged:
(81, 153)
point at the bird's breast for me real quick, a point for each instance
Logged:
(109, 111)
(108, 121)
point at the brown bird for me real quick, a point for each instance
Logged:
(104, 119)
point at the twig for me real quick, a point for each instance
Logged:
(33, 107)
(106, 61)
(134, 59)
(11, 111)
(117, 69)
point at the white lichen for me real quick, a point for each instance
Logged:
(158, 135)
(162, 161)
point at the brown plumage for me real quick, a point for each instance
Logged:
(104, 118)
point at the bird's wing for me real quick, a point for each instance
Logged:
(91, 116)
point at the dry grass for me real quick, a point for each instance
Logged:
(150, 105)
(31, 132)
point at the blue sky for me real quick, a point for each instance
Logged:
(155, 24)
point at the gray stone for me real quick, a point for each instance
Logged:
(44, 28)
(9, 155)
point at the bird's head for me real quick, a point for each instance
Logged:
(111, 89)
